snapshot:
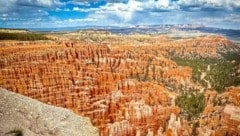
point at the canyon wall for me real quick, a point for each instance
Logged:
(123, 89)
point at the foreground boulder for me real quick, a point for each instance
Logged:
(20, 114)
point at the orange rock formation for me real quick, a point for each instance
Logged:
(121, 88)
(93, 81)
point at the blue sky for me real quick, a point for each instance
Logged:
(68, 13)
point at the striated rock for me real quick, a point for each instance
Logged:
(221, 115)
(110, 86)
(231, 118)
(210, 96)
(176, 127)
(202, 47)
(34, 118)
(124, 87)
(233, 96)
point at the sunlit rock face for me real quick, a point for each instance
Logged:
(33, 118)
(200, 47)
(123, 89)
(221, 115)
(112, 87)
(231, 116)
(231, 112)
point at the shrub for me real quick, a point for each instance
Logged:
(191, 104)
(16, 132)
(223, 73)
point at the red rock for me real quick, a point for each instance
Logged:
(122, 88)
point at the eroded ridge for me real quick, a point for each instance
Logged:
(124, 89)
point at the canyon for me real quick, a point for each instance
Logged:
(126, 85)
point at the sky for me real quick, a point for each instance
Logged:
(72, 13)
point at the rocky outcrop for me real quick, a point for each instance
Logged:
(221, 115)
(121, 90)
(176, 127)
(201, 47)
(33, 118)
(231, 117)
(125, 88)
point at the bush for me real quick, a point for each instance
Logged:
(191, 104)
(223, 73)
(16, 132)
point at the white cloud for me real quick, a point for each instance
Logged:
(130, 12)
(81, 20)
(188, 2)
(79, 3)
(121, 10)
(235, 18)
(65, 9)
(41, 3)
(13, 5)
(76, 9)
(227, 4)
(132, 5)
(6, 5)
(157, 4)
(69, 22)
(4, 15)
(126, 11)
(58, 9)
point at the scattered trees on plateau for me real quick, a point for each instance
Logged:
(22, 36)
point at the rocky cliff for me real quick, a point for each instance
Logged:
(125, 88)
(112, 86)
(221, 115)
(20, 114)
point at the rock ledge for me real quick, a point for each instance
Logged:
(37, 119)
